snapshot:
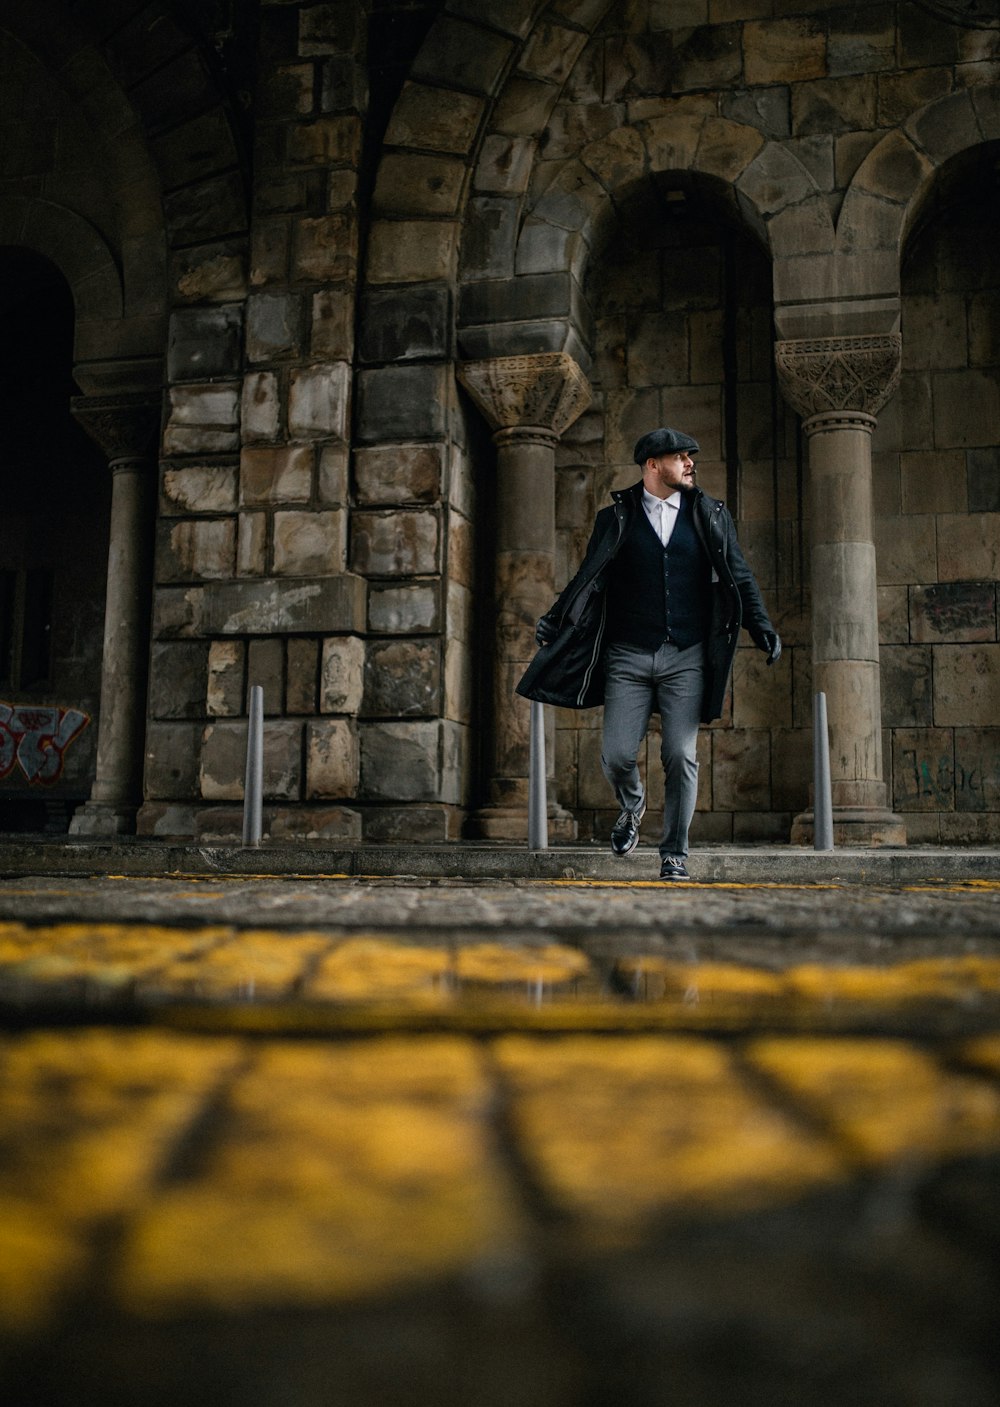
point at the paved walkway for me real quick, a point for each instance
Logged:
(580, 1142)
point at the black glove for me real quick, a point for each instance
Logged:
(544, 632)
(770, 642)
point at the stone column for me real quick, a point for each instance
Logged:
(838, 385)
(528, 402)
(126, 428)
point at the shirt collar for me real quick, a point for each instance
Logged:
(650, 500)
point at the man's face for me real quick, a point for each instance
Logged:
(666, 473)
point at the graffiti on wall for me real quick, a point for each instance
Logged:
(35, 738)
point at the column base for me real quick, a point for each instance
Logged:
(103, 818)
(511, 823)
(854, 825)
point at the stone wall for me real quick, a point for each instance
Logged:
(938, 499)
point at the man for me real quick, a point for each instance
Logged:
(650, 621)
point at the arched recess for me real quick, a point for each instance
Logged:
(937, 487)
(766, 187)
(889, 190)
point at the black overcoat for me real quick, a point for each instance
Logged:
(569, 671)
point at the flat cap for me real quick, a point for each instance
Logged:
(657, 442)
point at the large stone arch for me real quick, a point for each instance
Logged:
(769, 190)
(892, 184)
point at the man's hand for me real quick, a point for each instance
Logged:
(544, 633)
(769, 641)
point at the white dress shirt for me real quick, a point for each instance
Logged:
(662, 513)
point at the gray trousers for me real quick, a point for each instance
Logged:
(673, 680)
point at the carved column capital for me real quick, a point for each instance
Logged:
(124, 427)
(839, 378)
(544, 393)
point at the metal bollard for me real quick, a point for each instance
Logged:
(253, 790)
(538, 816)
(822, 799)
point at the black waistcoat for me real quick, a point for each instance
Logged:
(658, 593)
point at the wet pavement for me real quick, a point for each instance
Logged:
(571, 1140)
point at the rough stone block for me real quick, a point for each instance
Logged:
(461, 550)
(966, 685)
(905, 549)
(332, 334)
(934, 331)
(932, 481)
(434, 119)
(966, 408)
(905, 674)
(266, 668)
(504, 165)
(280, 475)
(685, 14)
(399, 544)
(394, 474)
(178, 612)
(226, 660)
(318, 400)
(165, 819)
(223, 760)
(276, 606)
(762, 694)
(783, 51)
(893, 616)
(205, 342)
(203, 420)
(214, 273)
(791, 769)
(310, 543)
(402, 403)
(401, 610)
(200, 489)
(328, 29)
(333, 763)
(177, 679)
(287, 91)
(402, 679)
(741, 769)
(923, 769)
(459, 681)
(412, 184)
(404, 324)
(269, 252)
(328, 141)
(977, 769)
(341, 681)
(901, 94)
(302, 673)
(708, 56)
(274, 326)
(984, 329)
(953, 612)
(968, 547)
(463, 55)
(196, 548)
(261, 407)
(399, 761)
(413, 252)
(983, 479)
(490, 237)
(251, 544)
(834, 105)
(332, 477)
(331, 823)
(861, 40)
(172, 757)
(326, 247)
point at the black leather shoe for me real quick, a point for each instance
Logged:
(673, 868)
(625, 831)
